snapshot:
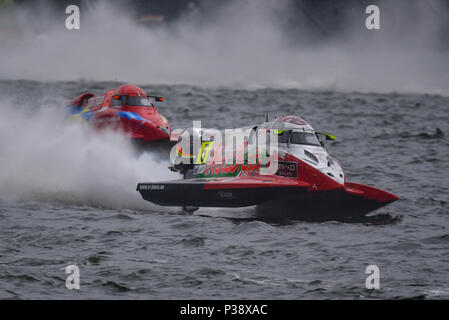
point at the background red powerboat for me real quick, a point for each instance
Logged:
(127, 108)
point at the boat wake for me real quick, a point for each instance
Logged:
(45, 157)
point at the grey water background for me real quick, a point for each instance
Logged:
(397, 142)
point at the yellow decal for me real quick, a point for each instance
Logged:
(204, 151)
(163, 118)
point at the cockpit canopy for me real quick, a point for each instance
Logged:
(287, 123)
(130, 95)
(293, 130)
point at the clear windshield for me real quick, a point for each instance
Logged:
(283, 137)
(304, 138)
(131, 101)
(121, 101)
(139, 101)
(299, 138)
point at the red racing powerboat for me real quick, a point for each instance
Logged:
(307, 182)
(127, 108)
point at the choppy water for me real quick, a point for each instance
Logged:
(55, 212)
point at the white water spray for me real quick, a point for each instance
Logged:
(44, 157)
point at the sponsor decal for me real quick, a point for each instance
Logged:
(152, 187)
(199, 169)
(225, 194)
(287, 169)
(130, 115)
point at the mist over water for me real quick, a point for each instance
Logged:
(248, 44)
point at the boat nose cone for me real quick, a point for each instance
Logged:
(369, 192)
(165, 130)
(153, 131)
